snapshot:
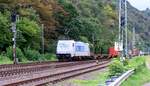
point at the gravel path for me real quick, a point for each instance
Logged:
(87, 76)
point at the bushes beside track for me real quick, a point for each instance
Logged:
(5, 60)
(118, 67)
(141, 74)
(33, 55)
(25, 55)
(19, 54)
(136, 63)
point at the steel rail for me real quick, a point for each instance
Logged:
(40, 79)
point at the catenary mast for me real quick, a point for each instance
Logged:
(123, 32)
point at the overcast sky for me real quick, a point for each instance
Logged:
(140, 4)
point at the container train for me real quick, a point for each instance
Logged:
(137, 52)
(70, 50)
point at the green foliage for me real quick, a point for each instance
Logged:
(138, 79)
(91, 20)
(109, 11)
(141, 75)
(19, 54)
(5, 60)
(51, 57)
(116, 67)
(29, 13)
(33, 55)
(5, 33)
(50, 46)
(28, 34)
(137, 63)
(84, 39)
(69, 23)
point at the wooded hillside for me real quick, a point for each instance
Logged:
(92, 21)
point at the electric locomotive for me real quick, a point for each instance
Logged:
(68, 50)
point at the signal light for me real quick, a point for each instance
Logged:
(13, 17)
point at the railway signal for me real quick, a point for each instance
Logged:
(13, 20)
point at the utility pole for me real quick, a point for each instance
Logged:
(123, 39)
(13, 20)
(42, 34)
(133, 38)
(119, 40)
(93, 39)
(126, 29)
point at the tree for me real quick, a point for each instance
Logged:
(29, 34)
(69, 23)
(5, 33)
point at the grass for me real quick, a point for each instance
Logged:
(53, 57)
(140, 77)
(99, 79)
(5, 60)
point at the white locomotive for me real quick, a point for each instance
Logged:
(68, 50)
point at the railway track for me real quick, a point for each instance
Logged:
(45, 74)
(19, 69)
(25, 65)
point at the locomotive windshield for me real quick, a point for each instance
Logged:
(64, 46)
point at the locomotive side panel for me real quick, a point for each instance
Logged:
(68, 50)
(82, 49)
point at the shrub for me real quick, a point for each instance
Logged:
(19, 54)
(116, 67)
(5, 60)
(136, 63)
(33, 55)
(50, 56)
